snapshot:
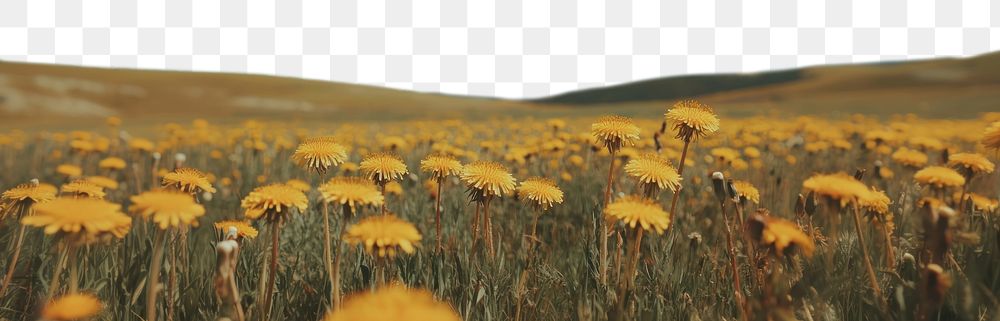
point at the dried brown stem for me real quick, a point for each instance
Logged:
(153, 277)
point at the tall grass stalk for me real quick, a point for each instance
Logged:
(12, 265)
(153, 276)
(872, 279)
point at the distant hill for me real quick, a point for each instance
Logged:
(39, 91)
(939, 88)
(55, 93)
(673, 88)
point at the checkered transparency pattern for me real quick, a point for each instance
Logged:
(508, 48)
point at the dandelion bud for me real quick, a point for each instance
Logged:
(810, 204)
(733, 193)
(859, 174)
(908, 258)
(719, 186)
(231, 233)
(938, 283)
(695, 240)
(800, 205)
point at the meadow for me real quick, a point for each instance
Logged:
(679, 216)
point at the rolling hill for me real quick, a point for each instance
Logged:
(56, 94)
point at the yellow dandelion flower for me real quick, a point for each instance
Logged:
(112, 163)
(487, 179)
(299, 185)
(167, 208)
(692, 119)
(939, 177)
(654, 172)
(188, 180)
(243, 228)
(393, 303)
(81, 146)
(74, 216)
(876, 201)
(981, 203)
(33, 192)
(991, 137)
(273, 202)
(69, 170)
(349, 168)
(781, 235)
(926, 143)
(103, 181)
(838, 187)
(431, 185)
(394, 188)
(910, 157)
(842, 144)
(83, 188)
(971, 163)
(745, 190)
(394, 143)
(384, 235)
(140, 145)
(632, 210)
(72, 307)
(351, 192)
(22, 197)
(113, 121)
(541, 191)
(930, 202)
(725, 154)
(885, 173)
(555, 123)
(319, 154)
(383, 167)
(614, 132)
(440, 166)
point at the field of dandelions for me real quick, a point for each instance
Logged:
(688, 216)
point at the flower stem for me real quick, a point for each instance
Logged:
(680, 171)
(327, 262)
(437, 212)
(153, 277)
(382, 187)
(74, 269)
(488, 226)
(731, 248)
(890, 254)
(868, 261)
(13, 261)
(475, 225)
(336, 264)
(604, 228)
(272, 272)
(54, 283)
